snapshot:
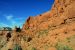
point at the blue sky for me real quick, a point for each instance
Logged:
(15, 12)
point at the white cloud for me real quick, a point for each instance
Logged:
(3, 25)
(9, 17)
(14, 21)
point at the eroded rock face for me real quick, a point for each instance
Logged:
(54, 29)
(61, 10)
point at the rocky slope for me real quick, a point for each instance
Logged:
(53, 30)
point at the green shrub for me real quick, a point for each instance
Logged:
(43, 32)
(60, 46)
(17, 47)
(33, 48)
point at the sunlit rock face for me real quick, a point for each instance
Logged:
(61, 10)
(53, 28)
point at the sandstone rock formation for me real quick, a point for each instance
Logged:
(53, 30)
